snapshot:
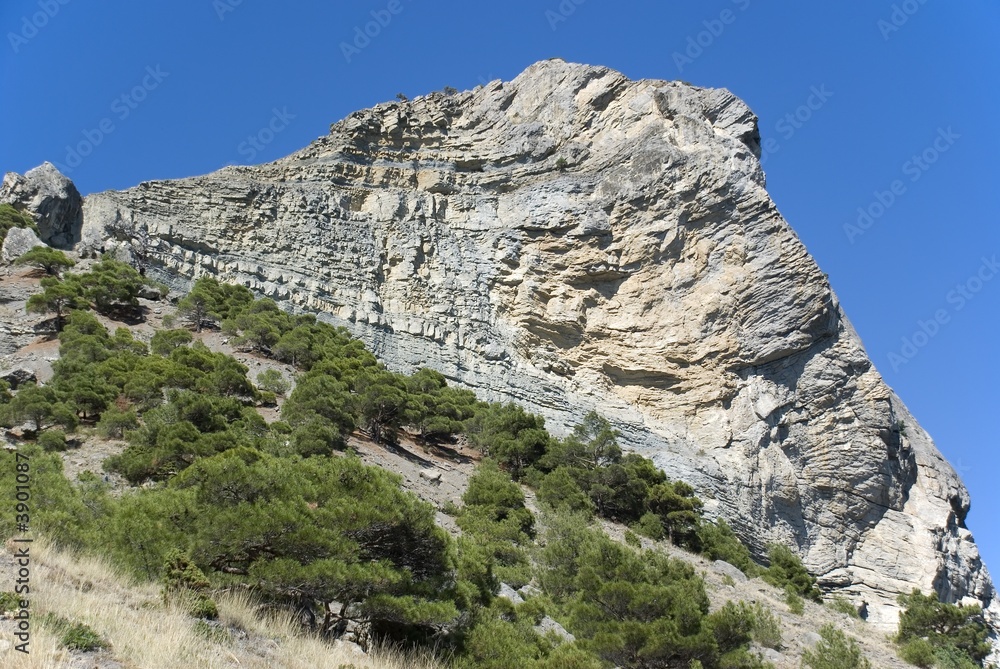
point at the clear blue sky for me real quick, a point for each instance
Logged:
(212, 73)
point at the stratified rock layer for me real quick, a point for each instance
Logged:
(574, 240)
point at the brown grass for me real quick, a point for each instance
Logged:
(144, 634)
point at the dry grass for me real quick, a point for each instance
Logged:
(145, 635)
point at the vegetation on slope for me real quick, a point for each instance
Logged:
(12, 218)
(937, 634)
(247, 504)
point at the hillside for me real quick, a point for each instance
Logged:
(567, 242)
(128, 614)
(573, 240)
(137, 631)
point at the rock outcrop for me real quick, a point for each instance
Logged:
(53, 200)
(574, 240)
(18, 242)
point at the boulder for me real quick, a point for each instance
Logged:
(17, 376)
(18, 242)
(51, 199)
(729, 570)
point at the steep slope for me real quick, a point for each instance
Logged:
(574, 240)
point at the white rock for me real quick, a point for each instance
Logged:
(431, 475)
(547, 625)
(510, 594)
(729, 570)
(52, 199)
(18, 242)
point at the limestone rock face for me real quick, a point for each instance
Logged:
(18, 242)
(574, 240)
(53, 200)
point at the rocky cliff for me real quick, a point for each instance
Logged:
(574, 240)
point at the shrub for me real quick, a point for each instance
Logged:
(955, 632)
(81, 637)
(272, 381)
(835, 651)
(52, 440)
(623, 605)
(12, 218)
(767, 627)
(719, 542)
(918, 652)
(213, 632)
(795, 603)
(951, 658)
(560, 491)
(786, 571)
(841, 605)
(494, 516)
(165, 341)
(186, 585)
(679, 511)
(48, 259)
(732, 625)
(9, 601)
(650, 526)
(115, 422)
(510, 435)
(75, 636)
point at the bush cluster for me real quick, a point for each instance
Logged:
(933, 633)
(110, 287)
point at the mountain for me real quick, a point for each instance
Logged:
(573, 240)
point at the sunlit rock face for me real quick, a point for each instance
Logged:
(52, 199)
(573, 240)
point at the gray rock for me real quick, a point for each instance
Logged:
(510, 594)
(729, 570)
(51, 198)
(772, 656)
(547, 624)
(648, 275)
(18, 242)
(529, 591)
(18, 376)
(811, 639)
(150, 293)
(349, 649)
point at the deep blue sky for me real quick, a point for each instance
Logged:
(226, 66)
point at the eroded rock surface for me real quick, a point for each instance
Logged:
(53, 200)
(574, 240)
(17, 242)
